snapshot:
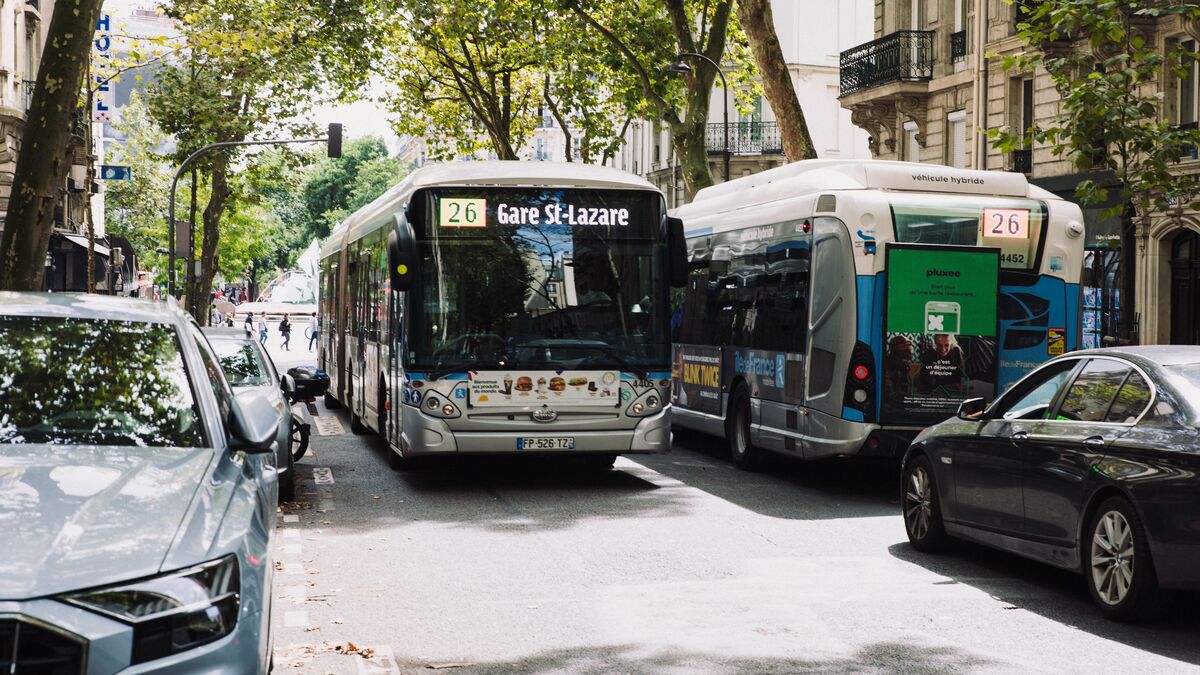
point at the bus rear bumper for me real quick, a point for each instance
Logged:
(425, 436)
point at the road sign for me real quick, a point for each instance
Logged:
(115, 172)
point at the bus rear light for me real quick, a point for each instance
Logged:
(861, 372)
(860, 395)
(872, 442)
(860, 389)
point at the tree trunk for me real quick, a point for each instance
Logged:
(42, 164)
(759, 24)
(219, 197)
(688, 139)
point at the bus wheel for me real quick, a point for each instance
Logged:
(331, 403)
(737, 431)
(356, 425)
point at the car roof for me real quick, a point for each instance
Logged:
(89, 306)
(1163, 355)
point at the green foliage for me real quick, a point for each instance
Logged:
(1110, 79)
(335, 188)
(137, 208)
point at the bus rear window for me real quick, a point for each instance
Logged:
(1015, 226)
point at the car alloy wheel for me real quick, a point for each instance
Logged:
(1112, 557)
(918, 503)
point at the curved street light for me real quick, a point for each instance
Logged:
(678, 67)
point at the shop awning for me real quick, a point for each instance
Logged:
(82, 241)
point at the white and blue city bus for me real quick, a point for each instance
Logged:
(837, 307)
(505, 307)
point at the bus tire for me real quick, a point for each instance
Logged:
(356, 425)
(737, 431)
(331, 403)
(396, 462)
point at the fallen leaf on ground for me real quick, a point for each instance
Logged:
(337, 620)
(374, 496)
(312, 570)
(278, 565)
(443, 666)
(311, 629)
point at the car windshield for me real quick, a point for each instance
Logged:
(94, 382)
(242, 362)
(568, 278)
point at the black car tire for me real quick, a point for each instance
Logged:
(1129, 566)
(299, 439)
(737, 431)
(287, 486)
(921, 506)
(331, 403)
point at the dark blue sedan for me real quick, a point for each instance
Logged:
(1090, 463)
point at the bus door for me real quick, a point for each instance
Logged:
(831, 325)
(362, 321)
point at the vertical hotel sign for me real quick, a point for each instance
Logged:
(104, 98)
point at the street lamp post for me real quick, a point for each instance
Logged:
(679, 67)
(334, 138)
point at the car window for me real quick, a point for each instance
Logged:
(1040, 391)
(242, 363)
(1131, 401)
(1093, 391)
(216, 378)
(94, 382)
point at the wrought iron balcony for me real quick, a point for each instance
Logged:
(1022, 161)
(745, 138)
(958, 46)
(27, 88)
(903, 56)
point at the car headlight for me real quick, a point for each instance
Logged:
(174, 612)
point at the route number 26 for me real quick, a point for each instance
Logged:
(1006, 223)
(462, 213)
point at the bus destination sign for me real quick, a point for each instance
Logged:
(470, 212)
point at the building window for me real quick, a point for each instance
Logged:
(912, 151)
(917, 16)
(1187, 86)
(956, 150)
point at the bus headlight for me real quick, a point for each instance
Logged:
(438, 406)
(648, 403)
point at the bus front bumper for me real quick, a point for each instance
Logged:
(424, 435)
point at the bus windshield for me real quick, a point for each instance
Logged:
(562, 279)
(1014, 226)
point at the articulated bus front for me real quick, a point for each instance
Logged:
(536, 320)
(959, 296)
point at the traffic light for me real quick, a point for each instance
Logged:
(334, 149)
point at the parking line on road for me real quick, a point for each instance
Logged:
(322, 475)
(297, 618)
(291, 518)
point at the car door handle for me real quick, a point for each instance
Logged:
(1020, 437)
(1094, 442)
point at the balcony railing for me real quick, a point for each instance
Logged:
(745, 138)
(27, 87)
(1022, 161)
(958, 46)
(903, 56)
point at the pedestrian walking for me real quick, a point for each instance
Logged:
(248, 324)
(313, 330)
(262, 328)
(285, 329)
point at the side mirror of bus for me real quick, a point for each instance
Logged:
(677, 253)
(402, 254)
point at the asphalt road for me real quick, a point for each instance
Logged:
(673, 563)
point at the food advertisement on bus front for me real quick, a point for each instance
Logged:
(940, 330)
(697, 378)
(541, 387)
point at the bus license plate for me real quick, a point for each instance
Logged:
(546, 443)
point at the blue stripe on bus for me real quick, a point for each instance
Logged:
(698, 233)
(870, 322)
(852, 414)
(650, 375)
(1074, 339)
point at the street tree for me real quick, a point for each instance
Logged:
(249, 67)
(42, 164)
(136, 209)
(334, 188)
(1108, 73)
(642, 39)
(758, 22)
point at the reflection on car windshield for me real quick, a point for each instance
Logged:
(82, 382)
(243, 365)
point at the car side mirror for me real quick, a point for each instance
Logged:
(253, 422)
(287, 384)
(972, 409)
(677, 253)
(402, 254)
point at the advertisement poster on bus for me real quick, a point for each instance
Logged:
(697, 378)
(542, 387)
(940, 330)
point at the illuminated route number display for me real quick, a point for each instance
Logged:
(462, 212)
(1009, 229)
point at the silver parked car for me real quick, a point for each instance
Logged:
(137, 494)
(248, 366)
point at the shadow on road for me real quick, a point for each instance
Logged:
(785, 487)
(879, 657)
(1061, 596)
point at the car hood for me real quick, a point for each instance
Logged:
(79, 516)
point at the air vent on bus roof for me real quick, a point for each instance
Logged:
(826, 203)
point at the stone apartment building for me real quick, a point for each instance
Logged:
(23, 28)
(925, 91)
